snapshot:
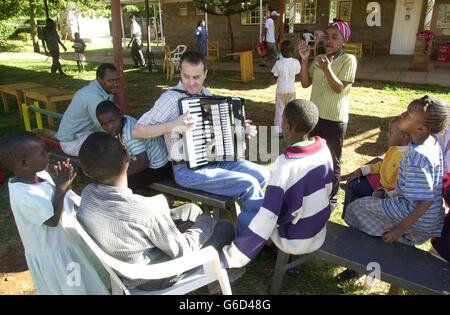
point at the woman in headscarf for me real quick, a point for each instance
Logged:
(331, 76)
(201, 37)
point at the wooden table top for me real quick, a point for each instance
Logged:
(19, 86)
(46, 92)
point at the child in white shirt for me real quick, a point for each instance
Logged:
(285, 69)
(58, 263)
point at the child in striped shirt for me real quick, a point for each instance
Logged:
(296, 204)
(149, 156)
(417, 212)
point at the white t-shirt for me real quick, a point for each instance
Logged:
(286, 69)
(270, 34)
(135, 29)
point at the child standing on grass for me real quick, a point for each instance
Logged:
(79, 46)
(417, 212)
(378, 178)
(149, 156)
(285, 69)
(331, 77)
(296, 204)
(37, 204)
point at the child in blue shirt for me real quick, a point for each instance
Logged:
(416, 213)
(149, 156)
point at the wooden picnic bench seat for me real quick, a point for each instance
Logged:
(218, 202)
(401, 265)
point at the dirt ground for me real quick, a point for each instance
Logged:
(15, 279)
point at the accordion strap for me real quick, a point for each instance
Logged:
(185, 92)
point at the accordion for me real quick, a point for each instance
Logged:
(219, 132)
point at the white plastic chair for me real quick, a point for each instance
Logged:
(176, 55)
(208, 257)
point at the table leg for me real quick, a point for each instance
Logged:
(5, 103)
(51, 107)
(19, 97)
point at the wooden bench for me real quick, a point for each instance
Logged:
(217, 202)
(16, 90)
(48, 135)
(401, 265)
(49, 96)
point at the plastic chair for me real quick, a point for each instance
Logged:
(174, 55)
(206, 257)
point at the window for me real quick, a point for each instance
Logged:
(305, 11)
(183, 9)
(251, 17)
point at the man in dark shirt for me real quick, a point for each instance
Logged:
(51, 37)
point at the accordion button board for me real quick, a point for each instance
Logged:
(219, 133)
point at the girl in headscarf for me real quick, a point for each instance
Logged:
(331, 76)
(201, 37)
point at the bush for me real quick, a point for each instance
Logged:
(23, 36)
(5, 31)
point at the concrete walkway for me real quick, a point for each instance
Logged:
(374, 68)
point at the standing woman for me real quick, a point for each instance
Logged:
(201, 37)
(331, 76)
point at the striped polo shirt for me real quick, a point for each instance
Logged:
(164, 110)
(295, 209)
(333, 106)
(155, 147)
(419, 178)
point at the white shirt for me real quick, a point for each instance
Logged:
(286, 69)
(270, 34)
(309, 37)
(135, 30)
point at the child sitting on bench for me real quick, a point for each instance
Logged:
(37, 202)
(296, 204)
(149, 156)
(416, 213)
(378, 178)
(137, 229)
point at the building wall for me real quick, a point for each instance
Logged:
(179, 29)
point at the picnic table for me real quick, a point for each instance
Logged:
(16, 89)
(48, 95)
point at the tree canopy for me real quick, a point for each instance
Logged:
(227, 8)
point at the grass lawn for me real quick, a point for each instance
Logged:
(373, 104)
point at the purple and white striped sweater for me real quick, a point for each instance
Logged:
(295, 209)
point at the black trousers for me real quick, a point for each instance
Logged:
(55, 61)
(149, 176)
(136, 53)
(334, 133)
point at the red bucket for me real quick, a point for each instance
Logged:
(262, 49)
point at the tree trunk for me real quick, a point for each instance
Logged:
(230, 32)
(33, 27)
